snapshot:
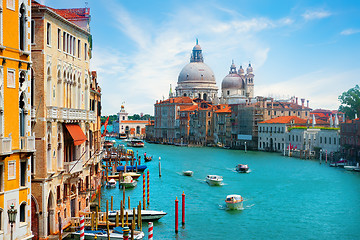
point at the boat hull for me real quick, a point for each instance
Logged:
(234, 205)
(214, 182)
(188, 173)
(146, 215)
(129, 185)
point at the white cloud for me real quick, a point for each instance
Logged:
(350, 31)
(143, 75)
(316, 14)
(322, 88)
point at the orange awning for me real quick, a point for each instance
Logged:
(76, 133)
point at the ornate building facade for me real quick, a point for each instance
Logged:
(64, 122)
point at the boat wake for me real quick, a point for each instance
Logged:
(231, 169)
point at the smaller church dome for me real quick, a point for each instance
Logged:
(232, 80)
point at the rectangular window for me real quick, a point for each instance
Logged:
(79, 48)
(23, 168)
(32, 32)
(320, 139)
(48, 34)
(85, 49)
(70, 50)
(64, 41)
(11, 78)
(329, 140)
(59, 38)
(10, 4)
(67, 43)
(58, 192)
(11, 170)
(1, 178)
(334, 141)
(74, 47)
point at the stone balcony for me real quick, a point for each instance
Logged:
(73, 167)
(70, 114)
(5, 146)
(27, 144)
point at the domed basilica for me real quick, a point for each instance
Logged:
(197, 80)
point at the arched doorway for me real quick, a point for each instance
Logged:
(50, 212)
(34, 218)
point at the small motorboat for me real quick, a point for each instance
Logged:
(132, 174)
(340, 163)
(116, 234)
(146, 215)
(111, 183)
(350, 168)
(135, 143)
(234, 201)
(188, 173)
(214, 180)
(242, 168)
(128, 182)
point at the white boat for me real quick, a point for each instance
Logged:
(214, 180)
(234, 201)
(350, 168)
(111, 183)
(102, 234)
(128, 182)
(146, 215)
(135, 143)
(188, 173)
(132, 174)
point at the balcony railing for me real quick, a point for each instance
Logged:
(5, 146)
(27, 143)
(73, 167)
(68, 114)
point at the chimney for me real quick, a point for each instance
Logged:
(296, 101)
(302, 102)
(307, 103)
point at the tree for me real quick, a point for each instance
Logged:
(350, 102)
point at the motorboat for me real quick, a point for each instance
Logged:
(122, 135)
(214, 180)
(115, 234)
(132, 174)
(242, 168)
(350, 168)
(340, 163)
(146, 215)
(128, 182)
(135, 143)
(140, 168)
(111, 183)
(234, 201)
(188, 173)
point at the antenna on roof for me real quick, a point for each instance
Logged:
(86, 4)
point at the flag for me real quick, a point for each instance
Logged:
(105, 125)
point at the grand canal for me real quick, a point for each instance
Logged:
(285, 198)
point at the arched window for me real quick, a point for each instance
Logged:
(22, 102)
(205, 96)
(184, 94)
(22, 31)
(22, 212)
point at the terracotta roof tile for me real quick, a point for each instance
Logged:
(286, 119)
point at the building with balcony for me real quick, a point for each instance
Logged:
(66, 122)
(17, 143)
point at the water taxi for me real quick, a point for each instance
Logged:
(146, 215)
(242, 168)
(135, 143)
(214, 180)
(234, 201)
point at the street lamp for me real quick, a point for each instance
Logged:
(12, 217)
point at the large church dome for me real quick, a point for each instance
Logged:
(196, 79)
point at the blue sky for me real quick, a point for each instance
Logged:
(308, 49)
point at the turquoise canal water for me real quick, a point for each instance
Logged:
(285, 198)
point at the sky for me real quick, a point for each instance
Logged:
(308, 49)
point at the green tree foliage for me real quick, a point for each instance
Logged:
(350, 102)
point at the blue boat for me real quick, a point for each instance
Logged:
(140, 168)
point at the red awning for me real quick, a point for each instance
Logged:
(76, 133)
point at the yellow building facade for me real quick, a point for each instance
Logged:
(17, 144)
